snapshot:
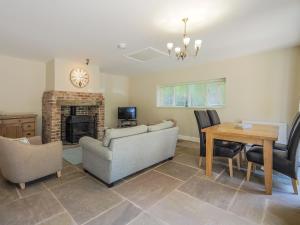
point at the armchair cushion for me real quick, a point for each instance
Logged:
(21, 163)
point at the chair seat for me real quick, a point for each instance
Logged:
(277, 146)
(228, 149)
(280, 160)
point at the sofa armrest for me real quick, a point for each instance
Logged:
(95, 146)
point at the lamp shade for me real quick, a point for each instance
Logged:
(177, 49)
(186, 41)
(170, 46)
(198, 43)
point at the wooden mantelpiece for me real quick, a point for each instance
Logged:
(18, 125)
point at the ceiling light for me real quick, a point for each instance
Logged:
(183, 53)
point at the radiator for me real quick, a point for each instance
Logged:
(282, 132)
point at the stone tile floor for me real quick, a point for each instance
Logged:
(175, 193)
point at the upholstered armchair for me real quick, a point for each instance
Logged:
(21, 163)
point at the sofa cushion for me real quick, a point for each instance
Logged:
(23, 140)
(161, 126)
(122, 132)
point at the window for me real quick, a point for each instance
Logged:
(203, 94)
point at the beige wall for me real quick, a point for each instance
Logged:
(21, 87)
(58, 76)
(116, 94)
(114, 88)
(258, 87)
(23, 83)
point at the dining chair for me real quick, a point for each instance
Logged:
(215, 120)
(283, 147)
(284, 162)
(213, 116)
(230, 150)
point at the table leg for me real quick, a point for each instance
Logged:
(209, 154)
(268, 165)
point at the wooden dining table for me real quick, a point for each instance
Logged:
(264, 135)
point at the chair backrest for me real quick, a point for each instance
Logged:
(202, 122)
(213, 117)
(294, 141)
(294, 123)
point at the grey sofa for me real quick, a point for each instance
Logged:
(21, 163)
(127, 155)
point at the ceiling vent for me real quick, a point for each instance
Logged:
(145, 54)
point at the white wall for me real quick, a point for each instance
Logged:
(21, 87)
(258, 87)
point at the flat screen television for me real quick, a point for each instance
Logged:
(127, 113)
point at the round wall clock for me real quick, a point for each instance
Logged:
(79, 77)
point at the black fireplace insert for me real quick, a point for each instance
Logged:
(78, 126)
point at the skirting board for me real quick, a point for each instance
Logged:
(188, 138)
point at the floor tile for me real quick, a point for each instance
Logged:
(146, 219)
(279, 213)
(187, 159)
(209, 191)
(249, 206)
(177, 170)
(255, 184)
(188, 144)
(30, 210)
(53, 181)
(187, 150)
(68, 169)
(85, 198)
(32, 188)
(119, 215)
(235, 181)
(8, 192)
(61, 219)
(148, 188)
(181, 209)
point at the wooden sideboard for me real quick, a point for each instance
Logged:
(16, 126)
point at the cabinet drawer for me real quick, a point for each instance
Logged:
(28, 120)
(29, 133)
(11, 121)
(28, 126)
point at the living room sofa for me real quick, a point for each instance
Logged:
(127, 151)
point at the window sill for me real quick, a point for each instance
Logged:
(183, 107)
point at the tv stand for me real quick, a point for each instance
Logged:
(127, 123)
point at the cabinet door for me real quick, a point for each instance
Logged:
(12, 131)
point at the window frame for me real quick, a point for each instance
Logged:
(188, 106)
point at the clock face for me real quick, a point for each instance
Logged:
(79, 77)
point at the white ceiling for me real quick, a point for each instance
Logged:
(79, 29)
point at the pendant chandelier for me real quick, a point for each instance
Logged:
(182, 53)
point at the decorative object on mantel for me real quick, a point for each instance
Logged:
(79, 77)
(182, 53)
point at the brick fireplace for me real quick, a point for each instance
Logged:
(54, 110)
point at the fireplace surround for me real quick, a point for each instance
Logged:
(55, 104)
